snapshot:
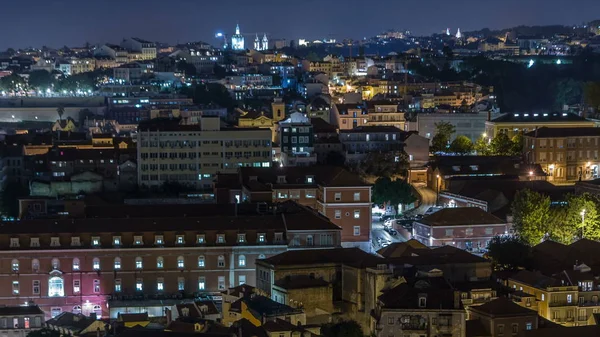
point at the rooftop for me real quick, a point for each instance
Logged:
(373, 129)
(21, 310)
(349, 256)
(546, 132)
(460, 216)
(503, 306)
(539, 117)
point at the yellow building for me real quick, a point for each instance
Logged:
(131, 320)
(256, 119)
(82, 65)
(321, 66)
(385, 113)
(513, 123)
(65, 125)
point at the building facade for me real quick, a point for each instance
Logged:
(192, 154)
(296, 141)
(514, 123)
(566, 154)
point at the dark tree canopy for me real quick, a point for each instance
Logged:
(509, 253)
(393, 192)
(342, 329)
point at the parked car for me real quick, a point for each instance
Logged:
(385, 217)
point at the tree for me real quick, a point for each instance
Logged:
(582, 215)
(12, 83)
(441, 139)
(60, 111)
(44, 332)
(461, 145)
(447, 51)
(501, 145)
(567, 91)
(482, 146)
(517, 144)
(386, 191)
(386, 164)
(558, 229)
(348, 328)
(531, 212)
(219, 71)
(509, 253)
(40, 80)
(187, 69)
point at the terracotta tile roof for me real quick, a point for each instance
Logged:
(460, 216)
(503, 306)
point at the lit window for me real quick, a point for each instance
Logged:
(36, 287)
(357, 196)
(180, 283)
(139, 284)
(242, 261)
(75, 264)
(200, 238)
(118, 285)
(241, 279)
(221, 261)
(138, 263)
(220, 238)
(179, 239)
(55, 263)
(76, 286)
(241, 238)
(54, 242)
(160, 284)
(15, 288)
(261, 237)
(356, 230)
(117, 263)
(338, 196)
(356, 214)
(201, 283)
(95, 241)
(96, 286)
(96, 263)
(201, 261)
(116, 240)
(221, 282)
(158, 239)
(180, 262)
(56, 287)
(160, 262)
(138, 240)
(15, 266)
(338, 214)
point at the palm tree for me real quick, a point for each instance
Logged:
(61, 111)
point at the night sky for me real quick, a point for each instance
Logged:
(73, 22)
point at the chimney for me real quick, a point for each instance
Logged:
(489, 116)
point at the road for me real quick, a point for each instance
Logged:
(427, 197)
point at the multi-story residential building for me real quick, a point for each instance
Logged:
(319, 108)
(361, 141)
(469, 228)
(130, 72)
(115, 52)
(424, 306)
(82, 65)
(566, 154)
(146, 49)
(349, 116)
(249, 81)
(513, 123)
(19, 321)
(339, 195)
(105, 259)
(385, 114)
(502, 317)
(192, 154)
(296, 141)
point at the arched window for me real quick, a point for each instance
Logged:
(261, 256)
(56, 287)
(242, 261)
(160, 262)
(117, 263)
(201, 261)
(138, 263)
(75, 264)
(15, 265)
(35, 265)
(221, 261)
(96, 263)
(55, 263)
(180, 262)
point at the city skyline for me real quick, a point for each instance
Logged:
(71, 23)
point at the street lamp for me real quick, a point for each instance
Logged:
(582, 223)
(437, 189)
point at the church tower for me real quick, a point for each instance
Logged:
(278, 109)
(265, 42)
(458, 34)
(256, 43)
(237, 40)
